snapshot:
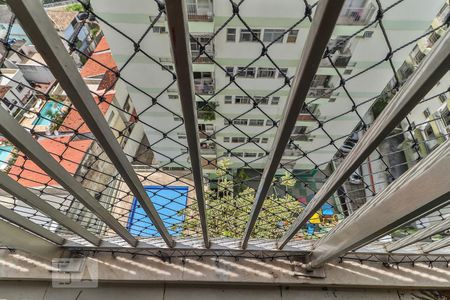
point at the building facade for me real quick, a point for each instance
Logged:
(232, 119)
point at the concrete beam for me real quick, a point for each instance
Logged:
(127, 269)
(14, 237)
(23, 222)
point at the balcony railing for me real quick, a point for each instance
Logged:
(200, 11)
(320, 92)
(204, 88)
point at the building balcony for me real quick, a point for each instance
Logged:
(301, 137)
(293, 152)
(206, 131)
(206, 111)
(200, 10)
(357, 15)
(340, 59)
(207, 148)
(321, 92)
(199, 56)
(204, 88)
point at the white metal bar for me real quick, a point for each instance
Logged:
(436, 245)
(402, 201)
(38, 26)
(322, 26)
(23, 222)
(28, 145)
(179, 38)
(17, 190)
(431, 70)
(419, 235)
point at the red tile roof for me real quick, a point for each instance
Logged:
(102, 45)
(108, 81)
(100, 59)
(72, 155)
(73, 119)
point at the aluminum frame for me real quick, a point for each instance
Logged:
(431, 70)
(37, 24)
(401, 202)
(19, 191)
(181, 52)
(419, 235)
(436, 245)
(31, 148)
(322, 26)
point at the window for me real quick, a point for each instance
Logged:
(240, 121)
(299, 129)
(367, 34)
(254, 140)
(111, 117)
(239, 140)
(442, 98)
(264, 140)
(266, 72)
(270, 123)
(226, 139)
(247, 36)
(159, 29)
(250, 154)
(231, 34)
(246, 72)
(426, 113)
(127, 105)
(446, 117)
(228, 99)
(173, 97)
(230, 71)
(242, 100)
(19, 88)
(434, 36)
(237, 154)
(181, 136)
(275, 100)
(254, 122)
(283, 72)
(261, 154)
(176, 118)
(167, 67)
(273, 35)
(429, 132)
(292, 36)
(261, 100)
(348, 71)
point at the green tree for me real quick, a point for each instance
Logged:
(74, 7)
(228, 209)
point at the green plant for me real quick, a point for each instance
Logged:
(227, 210)
(75, 7)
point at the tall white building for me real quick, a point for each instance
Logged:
(233, 48)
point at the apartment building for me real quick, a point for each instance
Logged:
(430, 119)
(234, 48)
(14, 93)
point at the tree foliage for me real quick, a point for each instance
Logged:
(230, 203)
